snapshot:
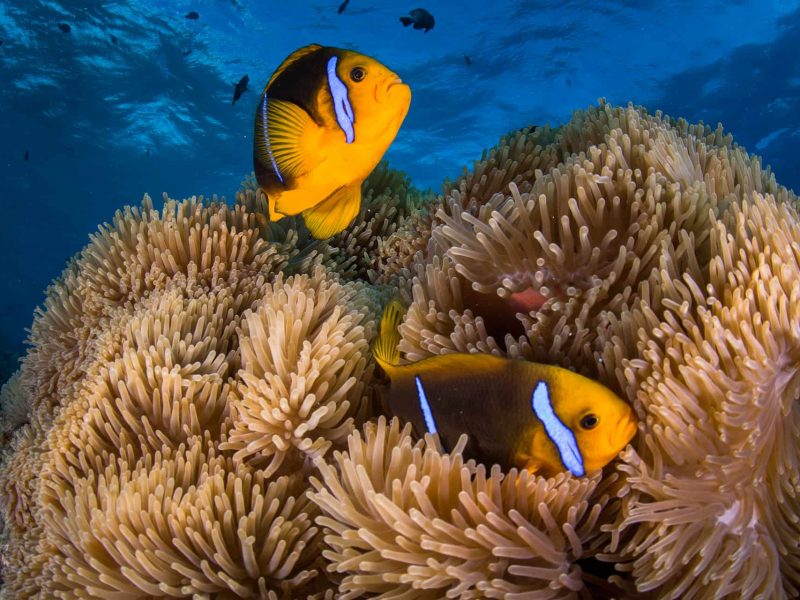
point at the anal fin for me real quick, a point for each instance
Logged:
(335, 213)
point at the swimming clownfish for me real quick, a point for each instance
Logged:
(325, 119)
(542, 418)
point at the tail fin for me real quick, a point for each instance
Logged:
(385, 349)
(406, 21)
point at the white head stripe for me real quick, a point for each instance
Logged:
(559, 434)
(341, 103)
(426, 408)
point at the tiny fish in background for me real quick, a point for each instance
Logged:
(467, 60)
(542, 418)
(342, 6)
(192, 15)
(27, 154)
(324, 121)
(64, 27)
(421, 19)
(240, 88)
(114, 40)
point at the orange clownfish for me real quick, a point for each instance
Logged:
(542, 418)
(324, 120)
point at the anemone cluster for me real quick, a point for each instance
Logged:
(197, 414)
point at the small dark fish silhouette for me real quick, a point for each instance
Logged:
(240, 88)
(2, 42)
(421, 19)
(467, 60)
(64, 27)
(187, 52)
(569, 82)
(114, 40)
(342, 6)
(193, 15)
(27, 154)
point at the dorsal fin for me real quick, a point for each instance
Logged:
(385, 349)
(293, 58)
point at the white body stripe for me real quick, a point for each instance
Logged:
(559, 434)
(341, 102)
(425, 406)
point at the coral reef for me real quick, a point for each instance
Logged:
(196, 415)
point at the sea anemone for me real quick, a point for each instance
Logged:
(404, 519)
(660, 259)
(142, 435)
(196, 415)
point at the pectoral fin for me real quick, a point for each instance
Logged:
(335, 213)
(287, 140)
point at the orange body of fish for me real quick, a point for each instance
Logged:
(324, 120)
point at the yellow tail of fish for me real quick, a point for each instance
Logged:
(385, 349)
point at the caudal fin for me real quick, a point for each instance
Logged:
(385, 348)
(406, 21)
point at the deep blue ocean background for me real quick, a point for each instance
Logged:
(136, 97)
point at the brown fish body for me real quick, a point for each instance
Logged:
(489, 400)
(540, 417)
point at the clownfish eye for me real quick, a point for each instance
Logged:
(358, 73)
(590, 421)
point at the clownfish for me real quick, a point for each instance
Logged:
(324, 121)
(542, 418)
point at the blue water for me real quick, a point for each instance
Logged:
(104, 122)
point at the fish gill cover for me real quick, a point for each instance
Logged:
(195, 414)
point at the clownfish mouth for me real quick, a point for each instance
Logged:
(382, 92)
(624, 433)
